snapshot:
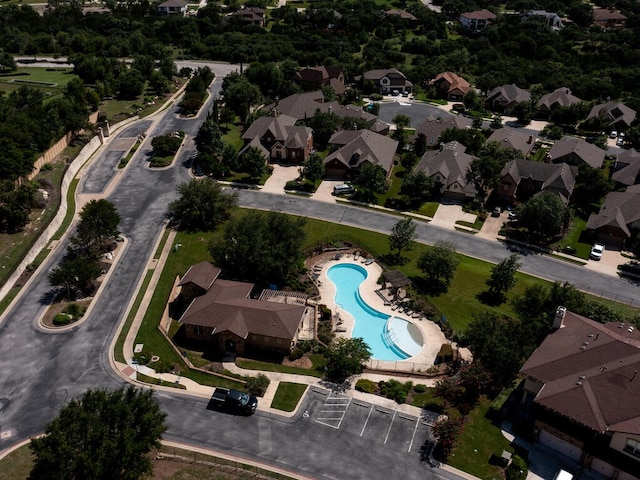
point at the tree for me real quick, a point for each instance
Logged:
(130, 85)
(101, 435)
(313, 168)
(209, 138)
(503, 278)
(98, 225)
(496, 122)
(403, 235)
(260, 247)
(544, 215)
(75, 274)
(591, 185)
(439, 264)
(253, 163)
(240, 94)
(485, 170)
(420, 144)
(166, 145)
(371, 179)
(417, 187)
(345, 357)
(201, 205)
(446, 431)
(323, 125)
(402, 122)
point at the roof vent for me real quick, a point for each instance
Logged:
(583, 347)
(578, 383)
(582, 377)
(585, 343)
(590, 335)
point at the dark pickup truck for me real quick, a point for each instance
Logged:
(234, 401)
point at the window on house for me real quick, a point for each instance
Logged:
(278, 341)
(198, 330)
(254, 337)
(632, 447)
(266, 339)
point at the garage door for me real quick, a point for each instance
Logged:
(626, 476)
(560, 445)
(602, 467)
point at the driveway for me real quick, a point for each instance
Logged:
(279, 177)
(447, 215)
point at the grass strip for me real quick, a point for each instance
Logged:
(288, 395)
(274, 367)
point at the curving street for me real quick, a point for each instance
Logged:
(41, 370)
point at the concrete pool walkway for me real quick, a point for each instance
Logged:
(432, 335)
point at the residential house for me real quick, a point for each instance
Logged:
(552, 20)
(173, 7)
(401, 14)
(302, 106)
(609, 18)
(250, 15)
(583, 387)
(522, 179)
(314, 78)
(505, 97)
(626, 171)
(279, 139)
(222, 314)
(615, 115)
(512, 138)
(560, 97)
(477, 20)
(448, 166)
(354, 148)
(575, 151)
(387, 80)
(432, 127)
(617, 217)
(450, 86)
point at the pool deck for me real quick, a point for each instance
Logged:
(431, 333)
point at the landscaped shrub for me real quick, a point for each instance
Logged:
(325, 312)
(305, 345)
(75, 310)
(420, 388)
(517, 470)
(325, 333)
(62, 319)
(296, 354)
(367, 386)
(395, 390)
(257, 385)
(445, 354)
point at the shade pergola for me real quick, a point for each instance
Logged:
(396, 278)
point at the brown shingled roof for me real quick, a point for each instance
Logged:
(590, 373)
(202, 274)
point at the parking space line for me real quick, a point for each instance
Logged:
(333, 410)
(367, 420)
(415, 429)
(390, 425)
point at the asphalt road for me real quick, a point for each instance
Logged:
(40, 371)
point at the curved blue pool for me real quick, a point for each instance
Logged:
(389, 338)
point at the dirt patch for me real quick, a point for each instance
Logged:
(303, 362)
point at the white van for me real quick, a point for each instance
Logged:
(343, 189)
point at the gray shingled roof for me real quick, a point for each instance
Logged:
(277, 125)
(620, 209)
(432, 127)
(615, 113)
(559, 179)
(359, 146)
(451, 164)
(627, 167)
(587, 152)
(511, 94)
(560, 97)
(511, 138)
(589, 374)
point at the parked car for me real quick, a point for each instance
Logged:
(233, 401)
(596, 251)
(613, 134)
(513, 215)
(496, 212)
(458, 107)
(343, 189)
(620, 140)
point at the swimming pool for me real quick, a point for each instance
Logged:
(389, 337)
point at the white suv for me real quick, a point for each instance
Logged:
(596, 251)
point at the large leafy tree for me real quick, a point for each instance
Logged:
(253, 163)
(260, 247)
(313, 168)
(240, 94)
(485, 170)
(439, 264)
(591, 185)
(544, 215)
(403, 235)
(102, 436)
(98, 224)
(201, 205)
(370, 179)
(417, 187)
(345, 357)
(75, 275)
(503, 278)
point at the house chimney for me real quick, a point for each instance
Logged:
(330, 109)
(558, 320)
(530, 141)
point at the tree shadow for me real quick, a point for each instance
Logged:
(491, 299)
(432, 288)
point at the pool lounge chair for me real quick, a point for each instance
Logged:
(369, 261)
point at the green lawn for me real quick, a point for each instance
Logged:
(274, 367)
(288, 395)
(233, 136)
(479, 439)
(572, 238)
(52, 81)
(17, 465)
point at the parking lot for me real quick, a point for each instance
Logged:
(380, 425)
